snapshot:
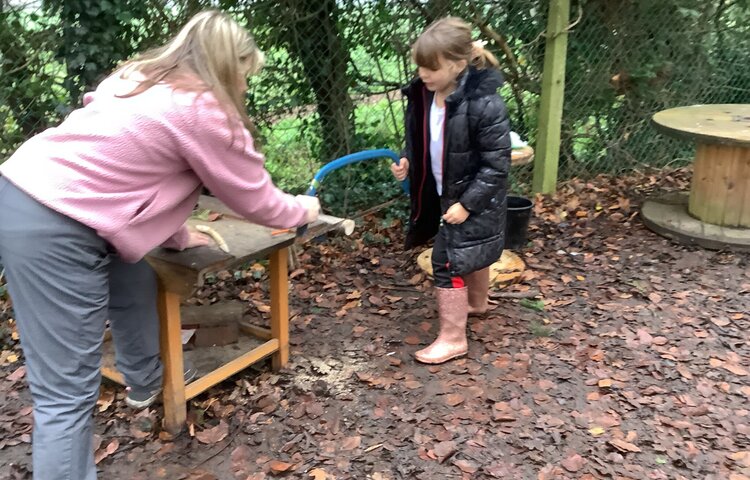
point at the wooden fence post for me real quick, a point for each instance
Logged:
(553, 96)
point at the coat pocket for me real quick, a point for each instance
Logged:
(472, 256)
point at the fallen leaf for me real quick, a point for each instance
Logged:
(736, 369)
(444, 449)
(721, 322)
(17, 374)
(112, 447)
(742, 458)
(654, 297)
(412, 340)
(318, 474)
(141, 427)
(573, 463)
(596, 431)
(466, 466)
(624, 446)
(375, 300)
(240, 457)
(105, 400)
(685, 372)
(454, 399)
(350, 305)
(277, 466)
(213, 435)
(644, 337)
(351, 443)
(201, 475)
(106, 452)
(314, 410)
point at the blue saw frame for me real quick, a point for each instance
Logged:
(329, 167)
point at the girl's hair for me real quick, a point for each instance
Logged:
(450, 37)
(212, 46)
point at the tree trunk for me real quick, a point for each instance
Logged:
(317, 42)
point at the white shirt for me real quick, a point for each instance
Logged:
(437, 120)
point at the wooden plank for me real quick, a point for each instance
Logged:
(228, 369)
(744, 217)
(113, 374)
(737, 212)
(701, 185)
(183, 270)
(721, 179)
(280, 306)
(257, 332)
(171, 356)
(176, 278)
(553, 95)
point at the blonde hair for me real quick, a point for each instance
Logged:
(450, 37)
(211, 46)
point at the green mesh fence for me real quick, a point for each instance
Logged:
(630, 59)
(334, 68)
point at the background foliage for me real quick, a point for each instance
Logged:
(331, 85)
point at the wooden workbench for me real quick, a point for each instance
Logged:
(180, 273)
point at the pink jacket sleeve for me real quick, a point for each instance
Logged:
(229, 166)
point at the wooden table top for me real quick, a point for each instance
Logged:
(246, 241)
(727, 124)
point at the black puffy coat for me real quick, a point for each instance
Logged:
(476, 159)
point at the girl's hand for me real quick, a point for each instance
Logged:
(198, 239)
(456, 214)
(400, 171)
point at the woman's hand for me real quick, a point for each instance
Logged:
(400, 171)
(198, 239)
(456, 214)
(312, 205)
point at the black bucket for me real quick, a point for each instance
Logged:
(517, 222)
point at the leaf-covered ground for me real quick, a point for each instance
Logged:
(619, 355)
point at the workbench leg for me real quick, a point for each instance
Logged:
(173, 396)
(280, 306)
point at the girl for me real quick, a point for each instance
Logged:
(457, 157)
(82, 204)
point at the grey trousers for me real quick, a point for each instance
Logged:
(65, 284)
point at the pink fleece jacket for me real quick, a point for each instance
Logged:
(131, 168)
